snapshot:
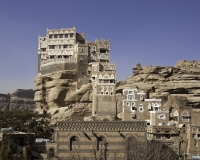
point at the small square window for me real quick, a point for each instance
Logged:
(185, 118)
(167, 136)
(89, 72)
(71, 35)
(50, 36)
(52, 47)
(55, 36)
(130, 97)
(65, 46)
(66, 35)
(43, 49)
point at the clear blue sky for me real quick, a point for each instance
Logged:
(150, 32)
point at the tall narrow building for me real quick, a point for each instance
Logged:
(65, 49)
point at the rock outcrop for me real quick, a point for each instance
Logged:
(181, 80)
(20, 99)
(4, 101)
(56, 93)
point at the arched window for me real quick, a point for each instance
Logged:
(100, 76)
(74, 143)
(101, 142)
(141, 108)
(102, 57)
(149, 105)
(108, 68)
(112, 76)
(130, 92)
(92, 57)
(106, 76)
(102, 90)
(156, 107)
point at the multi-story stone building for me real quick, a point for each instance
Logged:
(137, 106)
(65, 49)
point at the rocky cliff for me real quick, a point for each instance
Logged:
(20, 99)
(56, 93)
(183, 80)
(4, 101)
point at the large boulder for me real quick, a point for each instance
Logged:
(57, 93)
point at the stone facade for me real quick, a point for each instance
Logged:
(66, 50)
(89, 138)
(175, 123)
(193, 140)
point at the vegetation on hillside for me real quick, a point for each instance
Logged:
(27, 121)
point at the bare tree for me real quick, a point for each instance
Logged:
(148, 150)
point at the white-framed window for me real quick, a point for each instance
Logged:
(149, 135)
(141, 109)
(130, 97)
(148, 122)
(185, 118)
(133, 108)
(156, 108)
(168, 136)
(149, 105)
(176, 113)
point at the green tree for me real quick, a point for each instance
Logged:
(27, 121)
(5, 151)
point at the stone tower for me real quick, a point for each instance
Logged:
(65, 49)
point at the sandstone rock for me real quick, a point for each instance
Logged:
(182, 80)
(22, 99)
(4, 101)
(56, 93)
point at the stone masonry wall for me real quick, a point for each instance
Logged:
(57, 67)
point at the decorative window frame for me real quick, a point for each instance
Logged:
(141, 109)
(168, 137)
